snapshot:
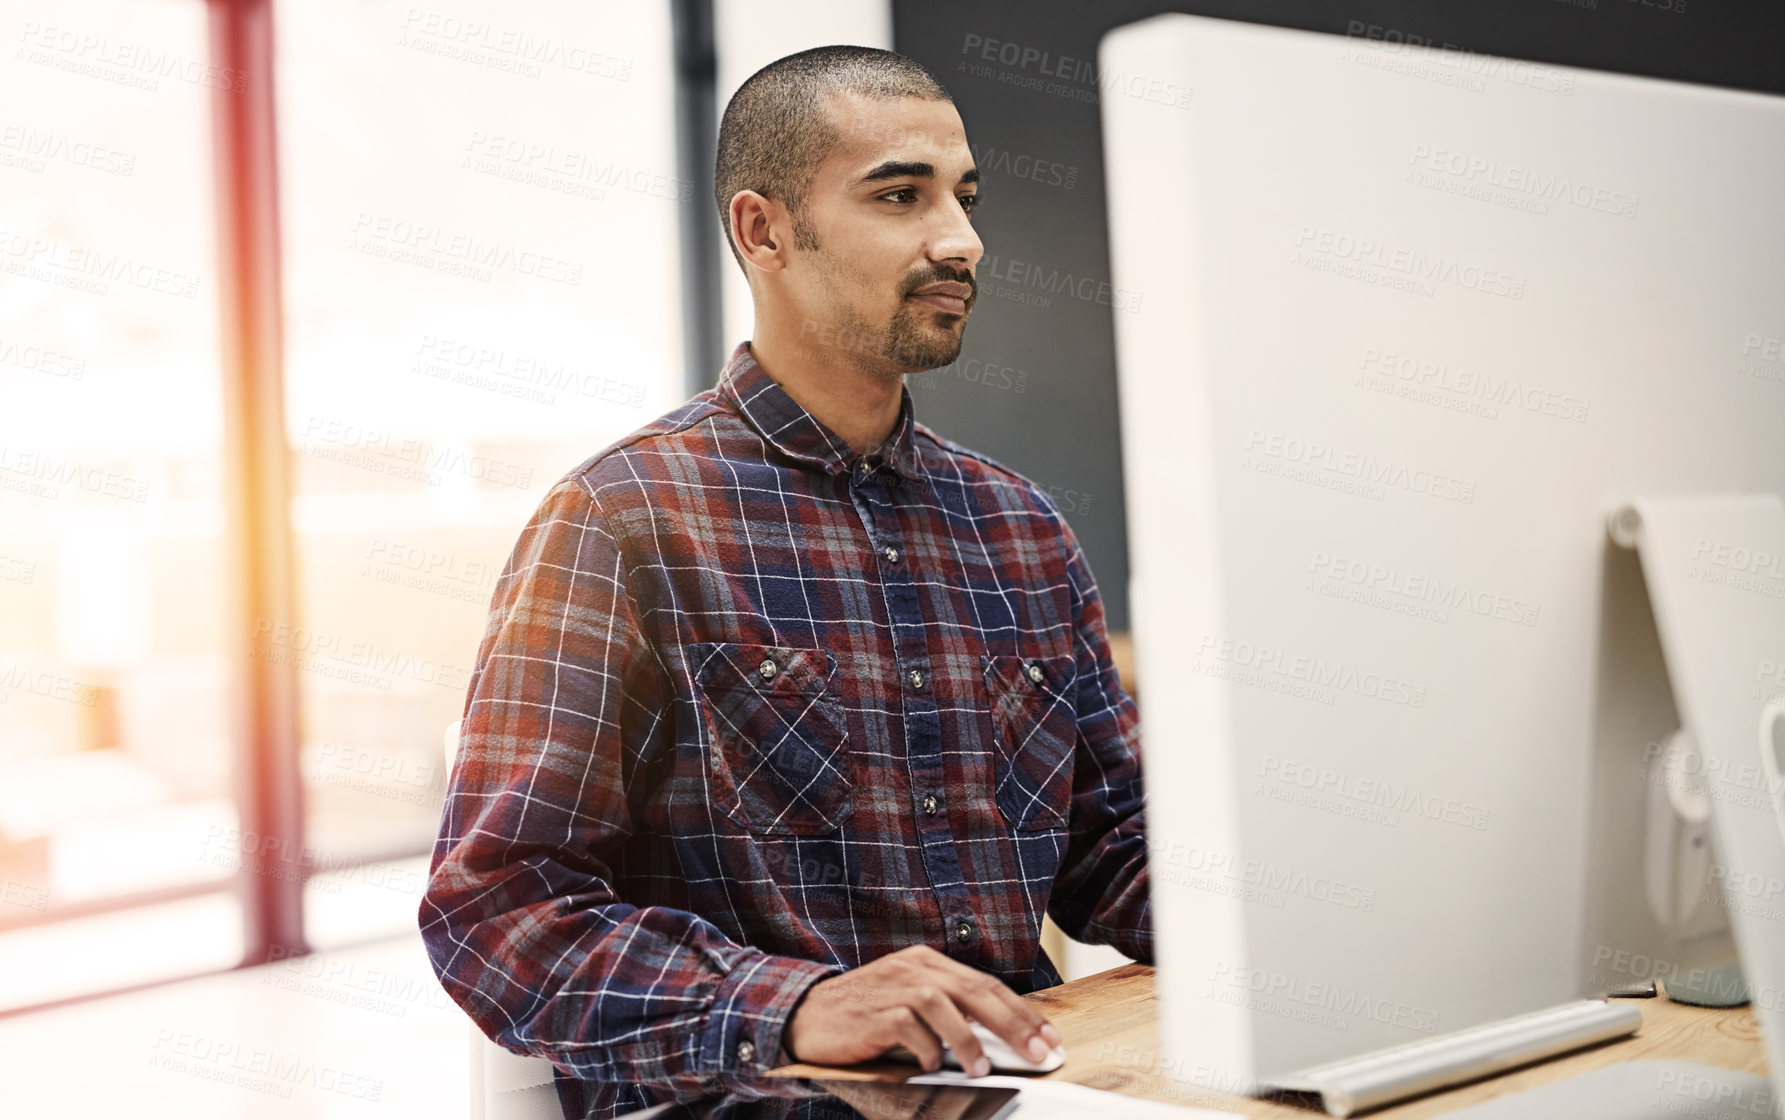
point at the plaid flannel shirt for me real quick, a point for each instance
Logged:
(752, 708)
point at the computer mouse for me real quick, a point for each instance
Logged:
(997, 1051)
(1002, 1057)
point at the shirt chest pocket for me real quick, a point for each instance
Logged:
(1035, 728)
(775, 736)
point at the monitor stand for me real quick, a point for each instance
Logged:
(1714, 633)
(1710, 566)
(1640, 1090)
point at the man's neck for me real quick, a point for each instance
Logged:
(861, 405)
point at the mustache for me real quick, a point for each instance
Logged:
(940, 275)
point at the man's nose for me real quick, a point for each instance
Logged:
(957, 242)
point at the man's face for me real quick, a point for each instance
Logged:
(890, 280)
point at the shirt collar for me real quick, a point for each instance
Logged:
(796, 433)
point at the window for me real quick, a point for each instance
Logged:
(482, 290)
(481, 277)
(115, 755)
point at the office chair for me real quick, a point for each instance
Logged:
(504, 1085)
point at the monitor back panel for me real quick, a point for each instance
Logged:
(1402, 327)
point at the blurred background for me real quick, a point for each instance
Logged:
(305, 305)
(476, 256)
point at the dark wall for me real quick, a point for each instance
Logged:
(1035, 386)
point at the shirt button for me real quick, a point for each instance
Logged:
(767, 669)
(1034, 672)
(929, 805)
(916, 679)
(892, 555)
(746, 1050)
(963, 931)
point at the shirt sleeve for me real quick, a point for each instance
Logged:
(520, 917)
(1100, 896)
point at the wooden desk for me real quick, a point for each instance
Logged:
(1109, 1025)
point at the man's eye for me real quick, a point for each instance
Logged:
(969, 202)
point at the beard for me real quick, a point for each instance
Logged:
(915, 343)
(911, 339)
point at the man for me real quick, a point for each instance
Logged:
(792, 718)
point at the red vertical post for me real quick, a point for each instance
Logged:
(256, 468)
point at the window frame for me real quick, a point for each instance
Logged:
(260, 546)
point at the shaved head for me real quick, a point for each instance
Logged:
(778, 127)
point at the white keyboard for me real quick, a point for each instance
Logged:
(1403, 1071)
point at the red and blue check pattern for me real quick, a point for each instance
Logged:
(753, 708)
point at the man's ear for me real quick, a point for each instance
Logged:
(754, 221)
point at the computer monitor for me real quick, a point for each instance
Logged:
(1412, 324)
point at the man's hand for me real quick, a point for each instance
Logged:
(919, 998)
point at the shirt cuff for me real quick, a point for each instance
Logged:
(750, 1012)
